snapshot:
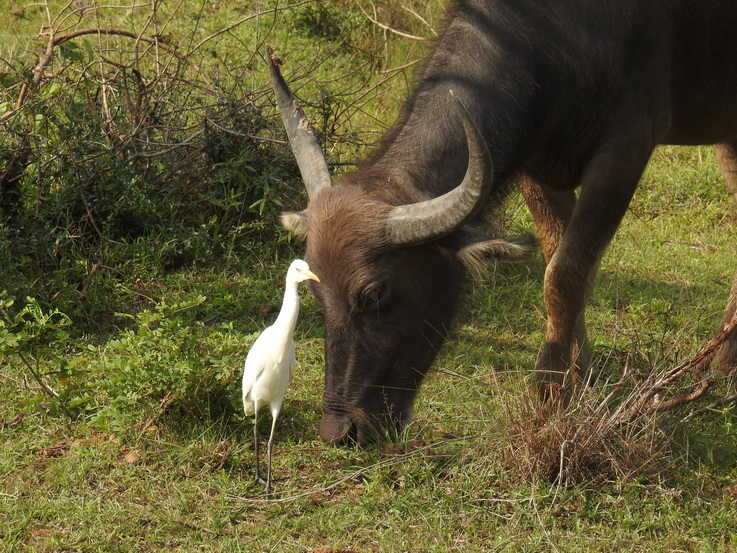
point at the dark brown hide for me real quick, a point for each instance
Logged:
(386, 311)
(569, 95)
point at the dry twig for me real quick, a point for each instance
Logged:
(650, 393)
(389, 29)
(55, 41)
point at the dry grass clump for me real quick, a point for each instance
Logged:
(614, 431)
(585, 442)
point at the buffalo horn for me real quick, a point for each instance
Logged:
(428, 220)
(306, 149)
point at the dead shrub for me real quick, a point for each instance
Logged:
(582, 443)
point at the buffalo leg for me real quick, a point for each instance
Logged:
(606, 189)
(552, 209)
(725, 358)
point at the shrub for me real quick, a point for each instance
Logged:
(100, 149)
(585, 443)
(162, 363)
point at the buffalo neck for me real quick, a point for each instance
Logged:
(426, 148)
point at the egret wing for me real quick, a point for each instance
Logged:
(292, 360)
(259, 358)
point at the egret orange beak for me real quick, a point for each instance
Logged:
(309, 274)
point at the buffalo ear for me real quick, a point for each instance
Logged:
(475, 248)
(296, 223)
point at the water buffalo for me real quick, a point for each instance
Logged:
(565, 98)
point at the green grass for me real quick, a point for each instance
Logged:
(180, 477)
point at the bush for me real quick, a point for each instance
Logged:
(100, 150)
(162, 363)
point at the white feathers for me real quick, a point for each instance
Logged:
(271, 360)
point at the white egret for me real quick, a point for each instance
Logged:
(270, 362)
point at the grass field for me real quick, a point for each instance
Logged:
(142, 465)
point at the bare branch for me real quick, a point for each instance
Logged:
(13, 422)
(53, 42)
(418, 16)
(387, 28)
(43, 62)
(243, 20)
(722, 402)
(686, 397)
(156, 40)
(651, 390)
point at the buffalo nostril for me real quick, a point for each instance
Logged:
(335, 429)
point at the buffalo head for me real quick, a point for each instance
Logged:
(391, 264)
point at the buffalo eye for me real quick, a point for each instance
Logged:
(373, 296)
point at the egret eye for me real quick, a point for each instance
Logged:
(373, 296)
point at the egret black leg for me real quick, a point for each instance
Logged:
(269, 488)
(258, 478)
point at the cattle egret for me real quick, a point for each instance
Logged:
(270, 362)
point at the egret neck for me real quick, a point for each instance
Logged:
(287, 320)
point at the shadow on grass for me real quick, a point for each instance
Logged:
(503, 317)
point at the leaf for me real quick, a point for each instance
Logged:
(8, 340)
(53, 89)
(70, 51)
(88, 50)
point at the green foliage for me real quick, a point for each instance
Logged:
(36, 336)
(31, 329)
(163, 363)
(315, 20)
(114, 151)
